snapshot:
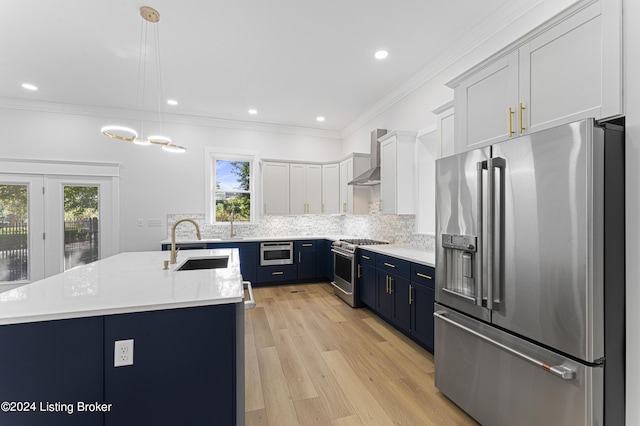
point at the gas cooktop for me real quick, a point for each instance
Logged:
(350, 244)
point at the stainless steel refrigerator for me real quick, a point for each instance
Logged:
(529, 316)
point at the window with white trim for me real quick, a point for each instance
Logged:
(231, 191)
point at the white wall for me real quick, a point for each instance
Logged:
(153, 182)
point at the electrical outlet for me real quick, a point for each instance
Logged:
(140, 222)
(123, 353)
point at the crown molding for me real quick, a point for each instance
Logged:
(134, 115)
(473, 39)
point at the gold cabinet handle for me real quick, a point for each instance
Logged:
(344, 207)
(277, 273)
(299, 257)
(307, 245)
(410, 294)
(366, 257)
(386, 279)
(424, 276)
(265, 208)
(389, 265)
(510, 122)
(359, 274)
(520, 117)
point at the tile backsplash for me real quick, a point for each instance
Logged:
(396, 229)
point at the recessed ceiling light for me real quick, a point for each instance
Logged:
(172, 102)
(381, 54)
(253, 111)
(29, 86)
(320, 118)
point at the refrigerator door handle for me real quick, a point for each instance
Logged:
(494, 232)
(481, 166)
(562, 371)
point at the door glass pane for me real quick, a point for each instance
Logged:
(81, 225)
(14, 233)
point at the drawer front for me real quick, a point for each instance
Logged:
(423, 274)
(305, 245)
(367, 258)
(277, 273)
(393, 265)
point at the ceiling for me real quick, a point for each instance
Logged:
(291, 60)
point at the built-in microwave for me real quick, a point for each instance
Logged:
(276, 253)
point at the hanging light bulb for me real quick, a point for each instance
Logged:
(127, 134)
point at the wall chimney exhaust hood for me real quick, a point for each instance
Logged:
(372, 176)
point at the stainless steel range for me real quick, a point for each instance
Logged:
(345, 283)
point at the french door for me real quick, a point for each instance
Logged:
(21, 230)
(77, 221)
(51, 223)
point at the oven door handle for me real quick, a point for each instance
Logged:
(343, 254)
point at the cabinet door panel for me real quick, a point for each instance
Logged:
(331, 188)
(401, 306)
(297, 189)
(368, 285)
(346, 191)
(422, 313)
(275, 185)
(561, 72)
(388, 173)
(314, 188)
(384, 304)
(484, 101)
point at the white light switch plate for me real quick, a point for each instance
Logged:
(123, 353)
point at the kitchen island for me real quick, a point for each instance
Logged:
(58, 344)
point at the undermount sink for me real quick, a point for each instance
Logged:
(204, 263)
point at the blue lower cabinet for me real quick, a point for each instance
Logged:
(49, 369)
(325, 260)
(183, 370)
(305, 255)
(404, 294)
(279, 273)
(423, 298)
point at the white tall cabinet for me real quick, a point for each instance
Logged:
(568, 69)
(397, 172)
(305, 188)
(275, 188)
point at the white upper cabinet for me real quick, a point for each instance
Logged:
(275, 188)
(331, 188)
(445, 125)
(397, 172)
(353, 199)
(305, 188)
(568, 69)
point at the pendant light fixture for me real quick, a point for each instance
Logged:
(149, 15)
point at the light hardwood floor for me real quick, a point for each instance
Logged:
(313, 360)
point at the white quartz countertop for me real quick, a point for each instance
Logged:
(126, 282)
(411, 254)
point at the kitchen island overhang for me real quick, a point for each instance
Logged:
(57, 342)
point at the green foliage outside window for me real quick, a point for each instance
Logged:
(233, 191)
